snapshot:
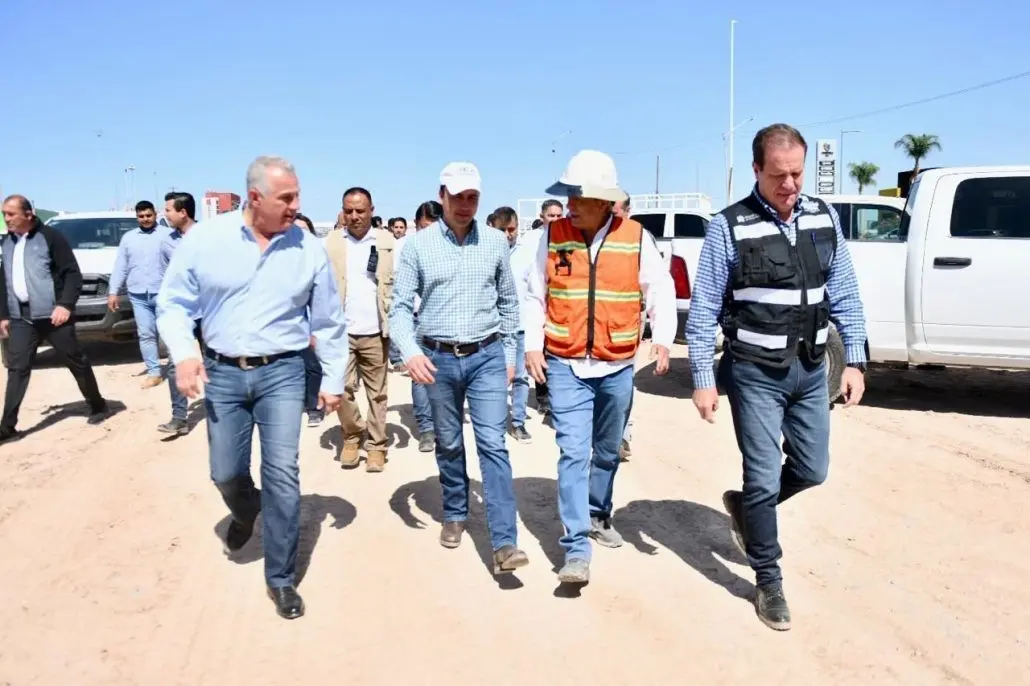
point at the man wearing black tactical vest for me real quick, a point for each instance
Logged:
(774, 272)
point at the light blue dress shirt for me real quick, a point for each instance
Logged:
(137, 264)
(467, 290)
(252, 303)
(169, 242)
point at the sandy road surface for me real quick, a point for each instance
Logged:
(909, 566)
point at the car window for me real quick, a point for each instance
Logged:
(875, 223)
(654, 223)
(689, 226)
(93, 233)
(997, 207)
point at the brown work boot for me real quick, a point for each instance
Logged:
(508, 558)
(450, 534)
(151, 381)
(376, 461)
(350, 457)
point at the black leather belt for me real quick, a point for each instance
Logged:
(459, 349)
(246, 363)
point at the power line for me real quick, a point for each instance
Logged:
(870, 113)
(923, 101)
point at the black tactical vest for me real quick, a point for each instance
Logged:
(777, 298)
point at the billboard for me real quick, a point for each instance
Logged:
(826, 170)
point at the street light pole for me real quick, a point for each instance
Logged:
(131, 183)
(841, 174)
(729, 134)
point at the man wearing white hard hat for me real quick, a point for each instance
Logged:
(593, 269)
(464, 347)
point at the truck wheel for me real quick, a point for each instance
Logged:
(834, 363)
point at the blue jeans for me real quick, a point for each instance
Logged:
(312, 379)
(421, 407)
(483, 378)
(766, 404)
(180, 403)
(144, 311)
(520, 385)
(589, 416)
(271, 397)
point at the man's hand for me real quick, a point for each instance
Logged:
(190, 377)
(852, 386)
(661, 353)
(60, 315)
(5, 328)
(112, 303)
(328, 402)
(311, 342)
(420, 369)
(537, 366)
(706, 400)
(511, 375)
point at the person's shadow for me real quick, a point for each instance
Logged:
(53, 414)
(537, 500)
(314, 509)
(697, 533)
(425, 495)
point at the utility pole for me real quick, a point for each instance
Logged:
(130, 183)
(657, 173)
(729, 131)
(840, 172)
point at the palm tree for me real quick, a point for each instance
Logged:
(864, 174)
(918, 146)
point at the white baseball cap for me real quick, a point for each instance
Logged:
(459, 177)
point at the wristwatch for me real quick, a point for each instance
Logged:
(860, 366)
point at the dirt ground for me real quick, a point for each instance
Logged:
(909, 566)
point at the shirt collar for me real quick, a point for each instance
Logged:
(472, 237)
(772, 210)
(367, 238)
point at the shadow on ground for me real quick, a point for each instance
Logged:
(676, 383)
(698, 534)
(314, 509)
(425, 496)
(975, 392)
(53, 414)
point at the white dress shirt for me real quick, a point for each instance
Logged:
(655, 283)
(523, 256)
(361, 303)
(20, 286)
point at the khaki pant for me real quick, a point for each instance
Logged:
(368, 359)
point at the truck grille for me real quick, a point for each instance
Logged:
(94, 286)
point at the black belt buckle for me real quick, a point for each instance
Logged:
(456, 348)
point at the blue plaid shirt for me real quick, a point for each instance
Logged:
(716, 264)
(467, 291)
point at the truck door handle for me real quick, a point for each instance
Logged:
(952, 261)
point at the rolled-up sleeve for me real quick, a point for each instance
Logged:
(535, 305)
(178, 304)
(328, 327)
(402, 314)
(846, 310)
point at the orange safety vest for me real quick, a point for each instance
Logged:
(593, 308)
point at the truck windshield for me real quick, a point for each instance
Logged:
(95, 232)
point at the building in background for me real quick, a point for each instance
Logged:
(216, 202)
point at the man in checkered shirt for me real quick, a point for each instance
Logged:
(464, 347)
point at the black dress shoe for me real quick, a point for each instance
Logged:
(288, 603)
(8, 433)
(98, 414)
(237, 536)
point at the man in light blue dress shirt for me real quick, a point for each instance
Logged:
(137, 267)
(261, 287)
(465, 347)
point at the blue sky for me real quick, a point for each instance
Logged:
(383, 94)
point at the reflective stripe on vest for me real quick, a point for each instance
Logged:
(593, 308)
